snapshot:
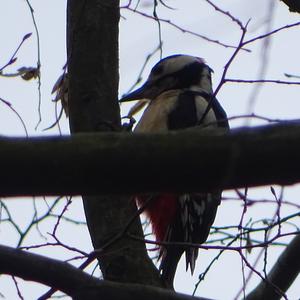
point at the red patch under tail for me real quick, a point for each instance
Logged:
(161, 212)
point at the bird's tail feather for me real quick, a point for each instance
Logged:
(169, 264)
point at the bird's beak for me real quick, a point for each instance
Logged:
(147, 91)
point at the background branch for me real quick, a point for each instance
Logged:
(73, 281)
(282, 275)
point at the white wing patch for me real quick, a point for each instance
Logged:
(191, 215)
(155, 116)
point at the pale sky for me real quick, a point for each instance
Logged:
(139, 37)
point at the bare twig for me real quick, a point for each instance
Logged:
(38, 61)
(9, 105)
(93, 255)
(283, 273)
(226, 13)
(264, 59)
(169, 22)
(17, 288)
(13, 58)
(139, 76)
(270, 33)
(69, 201)
(276, 81)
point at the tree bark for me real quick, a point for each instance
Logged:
(115, 163)
(74, 282)
(92, 38)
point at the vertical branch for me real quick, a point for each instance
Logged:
(93, 65)
(92, 35)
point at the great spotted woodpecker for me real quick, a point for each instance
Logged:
(180, 92)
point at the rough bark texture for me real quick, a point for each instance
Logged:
(115, 163)
(92, 33)
(74, 282)
(93, 65)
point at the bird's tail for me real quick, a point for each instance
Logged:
(168, 265)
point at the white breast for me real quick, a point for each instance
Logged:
(155, 116)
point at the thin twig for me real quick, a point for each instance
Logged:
(38, 61)
(226, 13)
(169, 22)
(13, 58)
(9, 105)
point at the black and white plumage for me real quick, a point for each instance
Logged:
(180, 92)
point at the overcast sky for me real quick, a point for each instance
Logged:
(139, 37)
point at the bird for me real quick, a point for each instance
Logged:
(180, 95)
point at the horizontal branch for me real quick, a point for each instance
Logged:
(118, 163)
(50, 272)
(75, 282)
(277, 81)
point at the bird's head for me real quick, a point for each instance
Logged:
(174, 72)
